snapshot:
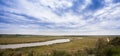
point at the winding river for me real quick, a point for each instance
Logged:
(14, 46)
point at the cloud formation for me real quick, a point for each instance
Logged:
(59, 17)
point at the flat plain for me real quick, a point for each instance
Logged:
(77, 43)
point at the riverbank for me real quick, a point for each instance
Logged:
(14, 46)
(77, 43)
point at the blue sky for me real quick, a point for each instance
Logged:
(60, 17)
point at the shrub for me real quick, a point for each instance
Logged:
(101, 47)
(115, 41)
(30, 53)
(60, 53)
(80, 53)
(1, 53)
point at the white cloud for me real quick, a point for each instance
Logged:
(92, 22)
(108, 2)
(85, 4)
(54, 4)
(107, 16)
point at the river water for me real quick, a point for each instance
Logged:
(14, 46)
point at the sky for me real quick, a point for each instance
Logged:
(60, 17)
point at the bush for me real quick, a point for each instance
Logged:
(103, 48)
(1, 53)
(30, 53)
(101, 45)
(90, 51)
(80, 53)
(60, 53)
(115, 41)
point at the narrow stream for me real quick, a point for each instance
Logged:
(14, 46)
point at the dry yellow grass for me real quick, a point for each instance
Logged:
(14, 40)
(76, 44)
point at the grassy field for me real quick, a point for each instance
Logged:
(25, 39)
(76, 44)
